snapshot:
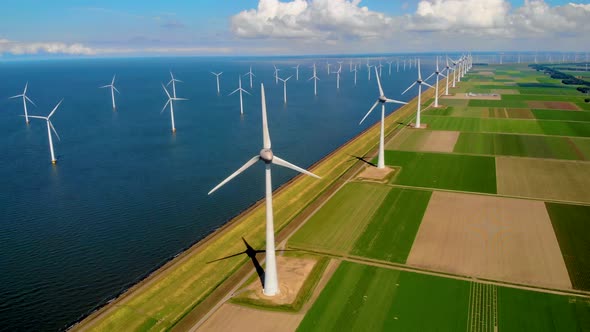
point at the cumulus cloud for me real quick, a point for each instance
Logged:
(26, 48)
(316, 19)
(536, 17)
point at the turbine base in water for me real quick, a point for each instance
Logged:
(53, 162)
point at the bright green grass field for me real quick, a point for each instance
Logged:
(572, 228)
(392, 230)
(517, 145)
(521, 310)
(445, 171)
(561, 115)
(336, 226)
(492, 125)
(583, 145)
(367, 298)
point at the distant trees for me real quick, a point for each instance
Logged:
(565, 78)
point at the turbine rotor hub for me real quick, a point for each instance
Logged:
(382, 99)
(266, 155)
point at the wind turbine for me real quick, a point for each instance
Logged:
(355, 71)
(296, 72)
(285, 88)
(328, 64)
(397, 64)
(271, 282)
(113, 89)
(380, 68)
(250, 73)
(239, 89)
(437, 73)
(173, 82)
(50, 127)
(277, 70)
(389, 63)
(369, 70)
(25, 98)
(338, 77)
(382, 99)
(171, 102)
(448, 69)
(419, 81)
(454, 70)
(315, 81)
(217, 76)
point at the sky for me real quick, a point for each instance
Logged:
(31, 28)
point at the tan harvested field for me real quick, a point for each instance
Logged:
(490, 237)
(231, 317)
(476, 97)
(554, 105)
(486, 73)
(560, 180)
(292, 273)
(375, 174)
(426, 140)
(506, 91)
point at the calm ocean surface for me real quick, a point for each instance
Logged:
(126, 194)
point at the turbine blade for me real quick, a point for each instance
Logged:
(104, 86)
(236, 173)
(379, 83)
(54, 131)
(17, 96)
(370, 110)
(113, 82)
(278, 161)
(30, 101)
(247, 92)
(165, 105)
(179, 98)
(167, 94)
(419, 73)
(179, 81)
(36, 117)
(443, 75)
(396, 101)
(429, 76)
(236, 90)
(265, 135)
(116, 89)
(427, 84)
(54, 109)
(411, 86)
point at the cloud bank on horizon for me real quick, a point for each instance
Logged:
(347, 26)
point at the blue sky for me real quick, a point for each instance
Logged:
(213, 26)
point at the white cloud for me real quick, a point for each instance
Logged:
(461, 15)
(537, 17)
(26, 48)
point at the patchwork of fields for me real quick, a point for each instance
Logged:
(484, 224)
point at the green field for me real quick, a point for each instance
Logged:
(583, 145)
(445, 171)
(572, 228)
(336, 226)
(391, 232)
(518, 145)
(561, 115)
(367, 298)
(539, 127)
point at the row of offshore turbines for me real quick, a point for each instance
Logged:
(271, 281)
(458, 67)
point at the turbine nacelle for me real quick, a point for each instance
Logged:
(382, 99)
(266, 155)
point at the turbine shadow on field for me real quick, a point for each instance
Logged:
(250, 252)
(363, 160)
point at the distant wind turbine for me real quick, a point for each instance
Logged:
(338, 77)
(277, 70)
(382, 99)
(250, 73)
(315, 79)
(355, 71)
(285, 88)
(240, 90)
(271, 280)
(171, 102)
(217, 77)
(25, 98)
(369, 70)
(50, 127)
(419, 81)
(389, 63)
(448, 69)
(173, 82)
(113, 89)
(328, 64)
(296, 72)
(438, 73)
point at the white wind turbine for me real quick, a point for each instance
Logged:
(315, 79)
(240, 90)
(217, 77)
(419, 81)
(285, 88)
(277, 70)
(296, 72)
(25, 98)
(338, 78)
(438, 73)
(355, 71)
(448, 69)
(369, 70)
(382, 99)
(389, 63)
(171, 102)
(271, 280)
(113, 89)
(454, 70)
(250, 73)
(50, 127)
(380, 68)
(173, 82)
(328, 65)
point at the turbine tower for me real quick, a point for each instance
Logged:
(389, 63)
(240, 90)
(277, 70)
(217, 77)
(250, 73)
(173, 82)
(419, 81)
(113, 89)
(50, 127)
(355, 71)
(448, 69)
(338, 78)
(315, 79)
(369, 70)
(382, 99)
(171, 102)
(271, 280)
(285, 88)
(296, 72)
(25, 98)
(438, 73)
